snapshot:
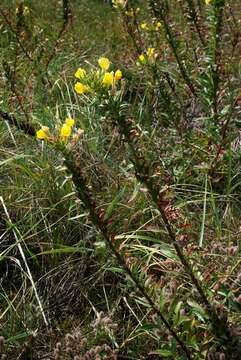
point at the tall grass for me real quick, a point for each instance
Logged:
(121, 239)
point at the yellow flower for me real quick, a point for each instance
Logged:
(108, 79)
(207, 2)
(80, 73)
(81, 88)
(43, 133)
(65, 131)
(144, 26)
(150, 52)
(118, 75)
(158, 25)
(69, 121)
(142, 59)
(104, 63)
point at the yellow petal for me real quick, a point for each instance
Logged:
(41, 134)
(150, 52)
(158, 25)
(80, 88)
(108, 79)
(80, 73)
(104, 63)
(144, 26)
(65, 131)
(142, 59)
(118, 75)
(69, 121)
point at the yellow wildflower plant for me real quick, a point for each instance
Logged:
(43, 133)
(150, 53)
(69, 121)
(158, 26)
(142, 59)
(108, 79)
(207, 2)
(144, 26)
(81, 88)
(65, 131)
(148, 57)
(80, 73)
(104, 63)
(118, 75)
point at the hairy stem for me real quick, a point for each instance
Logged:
(102, 225)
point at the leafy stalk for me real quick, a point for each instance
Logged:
(97, 216)
(142, 168)
(159, 11)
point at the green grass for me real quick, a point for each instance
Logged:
(55, 261)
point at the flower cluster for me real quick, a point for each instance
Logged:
(132, 12)
(89, 82)
(66, 128)
(148, 57)
(155, 26)
(92, 82)
(144, 26)
(43, 133)
(64, 132)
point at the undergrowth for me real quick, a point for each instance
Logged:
(120, 180)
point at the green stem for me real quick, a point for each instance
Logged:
(143, 175)
(216, 52)
(194, 17)
(159, 14)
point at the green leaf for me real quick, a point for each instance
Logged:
(176, 316)
(162, 352)
(197, 310)
(114, 202)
